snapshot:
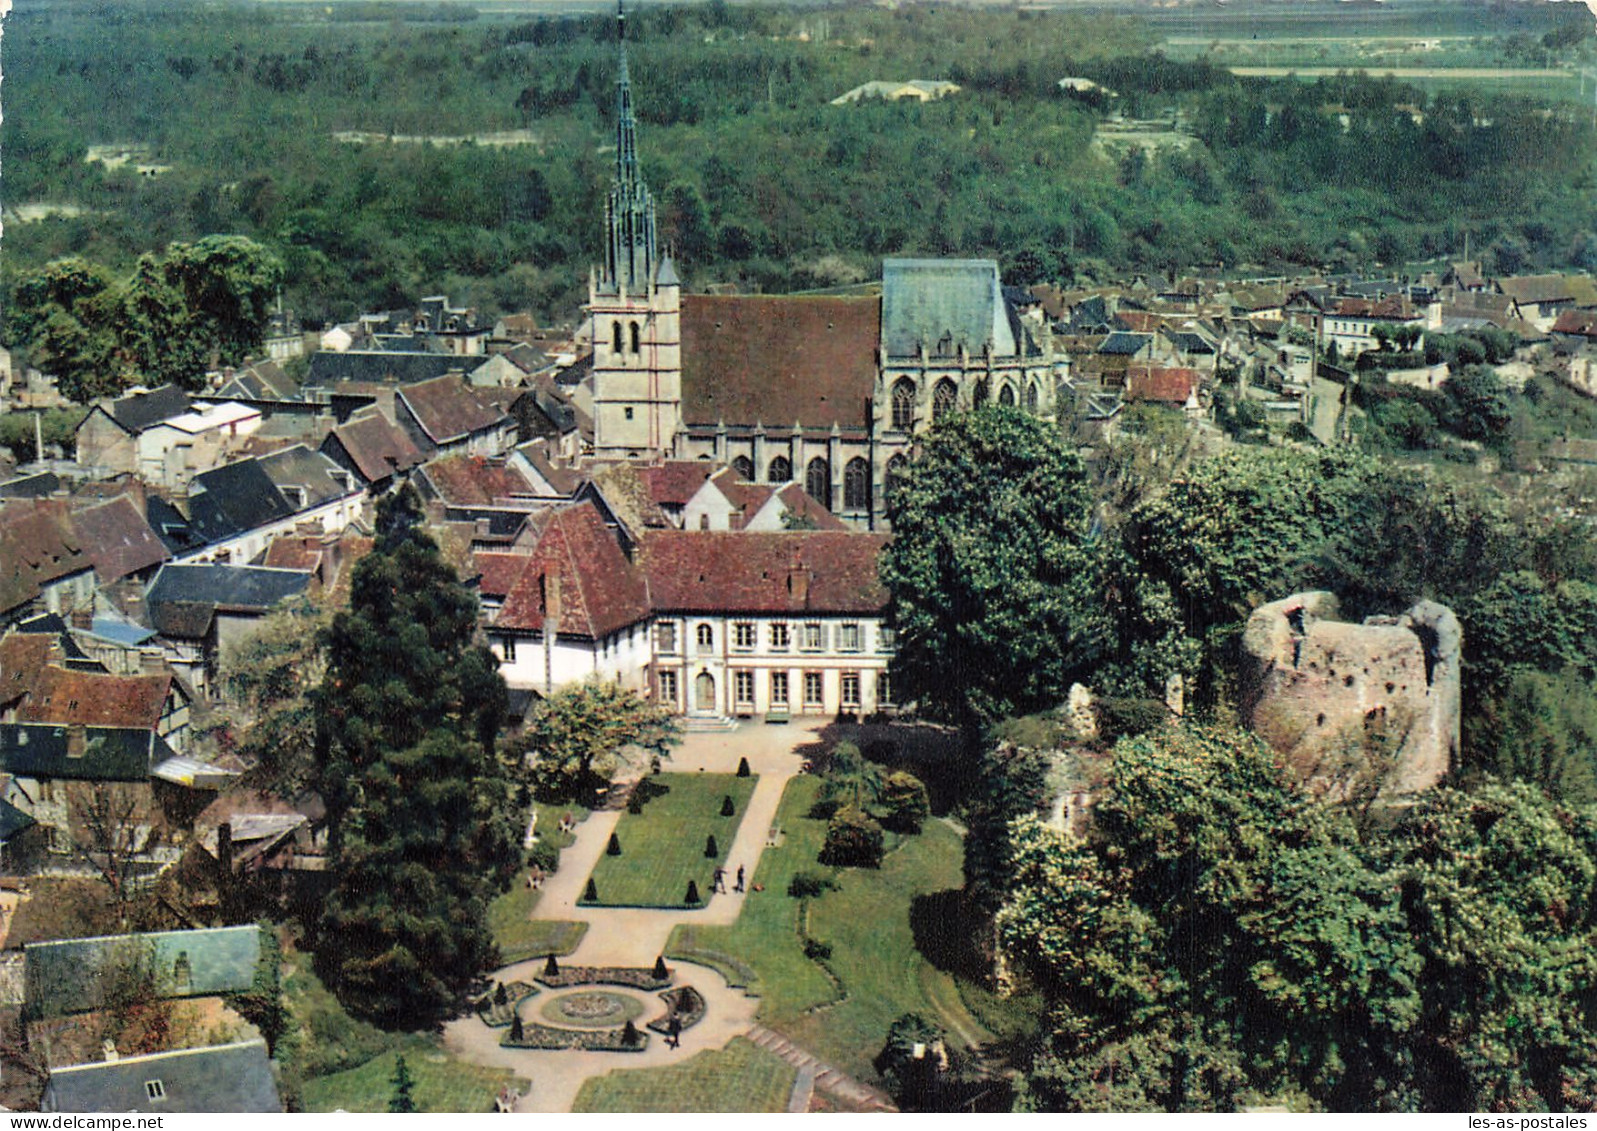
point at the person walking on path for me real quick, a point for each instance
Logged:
(673, 1034)
(739, 885)
(720, 881)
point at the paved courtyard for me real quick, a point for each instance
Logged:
(625, 936)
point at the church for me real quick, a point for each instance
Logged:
(826, 390)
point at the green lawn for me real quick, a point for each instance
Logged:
(518, 934)
(443, 1083)
(738, 1078)
(663, 846)
(879, 975)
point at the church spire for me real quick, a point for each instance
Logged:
(629, 261)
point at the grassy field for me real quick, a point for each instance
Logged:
(662, 847)
(518, 934)
(738, 1078)
(442, 1083)
(875, 973)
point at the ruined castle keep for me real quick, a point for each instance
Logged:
(1335, 697)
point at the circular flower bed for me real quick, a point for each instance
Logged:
(591, 1009)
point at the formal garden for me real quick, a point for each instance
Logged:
(677, 831)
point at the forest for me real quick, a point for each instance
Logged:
(129, 128)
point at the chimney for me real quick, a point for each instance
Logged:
(798, 583)
(77, 742)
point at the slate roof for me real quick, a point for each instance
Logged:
(563, 480)
(217, 1080)
(66, 696)
(466, 480)
(139, 411)
(12, 820)
(600, 591)
(321, 480)
(779, 360)
(263, 381)
(171, 525)
(183, 599)
(46, 751)
(37, 546)
(738, 572)
(383, 367)
(1126, 344)
(117, 539)
(40, 486)
(63, 976)
(448, 409)
(375, 445)
(928, 301)
(233, 498)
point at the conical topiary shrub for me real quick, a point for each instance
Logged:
(693, 893)
(743, 767)
(614, 847)
(629, 1034)
(501, 995)
(727, 808)
(517, 1033)
(660, 972)
(590, 894)
(711, 849)
(550, 967)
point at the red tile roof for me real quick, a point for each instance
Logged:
(1164, 384)
(791, 572)
(292, 551)
(1140, 321)
(37, 546)
(674, 482)
(1394, 307)
(23, 656)
(801, 503)
(449, 409)
(377, 446)
(577, 561)
(1582, 322)
(475, 480)
(117, 539)
(779, 360)
(497, 571)
(64, 696)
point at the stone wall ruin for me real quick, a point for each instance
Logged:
(1368, 708)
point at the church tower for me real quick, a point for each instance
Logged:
(635, 302)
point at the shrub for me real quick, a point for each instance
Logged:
(807, 885)
(501, 995)
(905, 803)
(660, 971)
(853, 840)
(629, 1033)
(711, 849)
(727, 808)
(635, 803)
(743, 767)
(517, 1031)
(816, 949)
(692, 897)
(544, 855)
(551, 968)
(1119, 718)
(590, 894)
(614, 847)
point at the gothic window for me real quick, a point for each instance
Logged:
(818, 481)
(904, 404)
(856, 485)
(945, 398)
(743, 466)
(615, 343)
(896, 469)
(780, 471)
(1031, 397)
(634, 327)
(1006, 396)
(981, 395)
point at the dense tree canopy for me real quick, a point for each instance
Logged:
(578, 737)
(1220, 940)
(994, 570)
(422, 826)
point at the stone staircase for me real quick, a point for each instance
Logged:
(708, 724)
(817, 1075)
